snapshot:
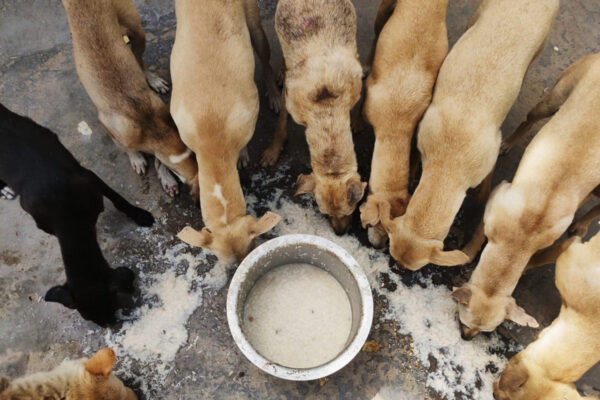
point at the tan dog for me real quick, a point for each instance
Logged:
(410, 50)
(565, 350)
(115, 79)
(459, 135)
(558, 171)
(215, 106)
(83, 379)
(322, 84)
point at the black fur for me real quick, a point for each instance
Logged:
(65, 200)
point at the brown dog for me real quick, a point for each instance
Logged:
(215, 106)
(322, 84)
(410, 50)
(558, 171)
(459, 135)
(83, 379)
(115, 79)
(565, 350)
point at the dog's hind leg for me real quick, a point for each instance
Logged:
(549, 105)
(124, 133)
(261, 45)
(129, 18)
(271, 154)
(6, 192)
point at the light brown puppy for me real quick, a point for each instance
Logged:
(82, 379)
(322, 84)
(565, 350)
(410, 51)
(114, 77)
(557, 173)
(459, 135)
(215, 106)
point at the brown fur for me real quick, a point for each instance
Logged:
(83, 379)
(322, 84)
(113, 76)
(215, 105)
(565, 350)
(459, 136)
(410, 50)
(558, 171)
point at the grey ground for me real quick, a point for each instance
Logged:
(38, 79)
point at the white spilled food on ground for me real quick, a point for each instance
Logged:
(298, 316)
(424, 311)
(84, 128)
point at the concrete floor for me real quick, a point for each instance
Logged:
(38, 79)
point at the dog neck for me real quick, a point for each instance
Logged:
(390, 167)
(81, 253)
(331, 153)
(221, 197)
(434, 204)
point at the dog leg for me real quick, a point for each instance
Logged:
(261, 45)
(6, 193)
(167, 180)
(130, 20)
(271, 154)
(549, 105)
(385, 10)
(549, 254)
(137, 161)
(244, 158)
(580, 227)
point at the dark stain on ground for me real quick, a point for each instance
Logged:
(10, 257)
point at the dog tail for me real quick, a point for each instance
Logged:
(4, 382)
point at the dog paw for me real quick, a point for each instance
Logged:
(157, 83)
(7, 193)
(274, 98)
(138, 162)
(505, 148)
(141, 217)
(244, 158)
(167, 180)
(270, 156)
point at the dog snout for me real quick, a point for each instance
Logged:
(340, 225)
(468, 333)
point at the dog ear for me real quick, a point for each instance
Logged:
(369, 213)
(355, 192)
(101, 363)
(305, 184)
(518, 315)
(264, 224)
(60, 294)
(448, 258)
(462, 295)
(195, 238)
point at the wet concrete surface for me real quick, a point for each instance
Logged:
(38, 79)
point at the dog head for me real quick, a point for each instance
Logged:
(232, 242)
(370, 216)
(412, 251)
(98, 381)
(522, 379)
(480, 312)
(336, 197)
(99, 298)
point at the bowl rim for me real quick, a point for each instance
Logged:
(301, 374)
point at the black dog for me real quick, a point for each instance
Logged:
(65, 200)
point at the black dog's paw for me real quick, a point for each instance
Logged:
(142, 217)
(7, 193)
